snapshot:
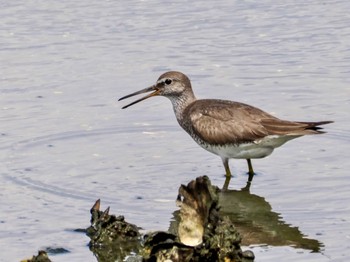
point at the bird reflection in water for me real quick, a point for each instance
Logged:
(258, 225)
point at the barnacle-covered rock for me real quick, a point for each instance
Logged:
(111, 237)
(202, 233)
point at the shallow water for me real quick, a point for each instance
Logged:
(65, 141)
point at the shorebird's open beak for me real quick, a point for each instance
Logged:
(148, 89)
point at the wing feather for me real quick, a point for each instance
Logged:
(226, 122)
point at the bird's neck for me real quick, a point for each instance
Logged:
(180, 103)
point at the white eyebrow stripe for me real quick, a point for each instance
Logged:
(161, 80)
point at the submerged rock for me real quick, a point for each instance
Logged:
(41, 257)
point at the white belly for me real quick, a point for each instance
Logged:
(257, 149)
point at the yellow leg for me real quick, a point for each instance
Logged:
(250, 177)
(228, 174)
(227, 168)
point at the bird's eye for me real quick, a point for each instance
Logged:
(167, 81)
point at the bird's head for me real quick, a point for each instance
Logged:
(171, 84)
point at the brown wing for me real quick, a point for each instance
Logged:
(221, 122)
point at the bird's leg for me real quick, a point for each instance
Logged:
(228, 173)
(250, 170)
(250, 177)
(227, 168)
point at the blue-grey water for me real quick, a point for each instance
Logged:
(65, 141)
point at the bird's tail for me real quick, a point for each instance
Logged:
(281, 127)
(315, 126)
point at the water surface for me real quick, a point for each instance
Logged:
(65, 141)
